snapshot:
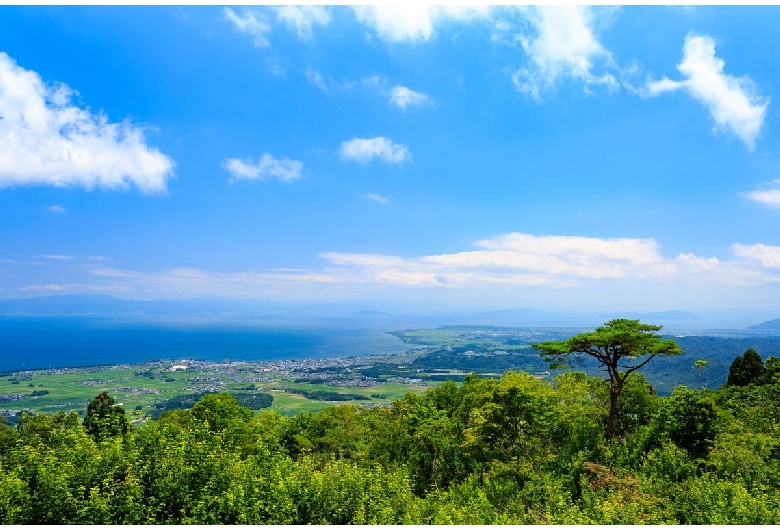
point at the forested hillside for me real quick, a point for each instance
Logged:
(509, 450)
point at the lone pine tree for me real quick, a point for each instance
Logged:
(621, 346)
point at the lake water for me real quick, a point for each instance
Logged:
(30, 342)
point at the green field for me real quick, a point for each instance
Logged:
(140, 387)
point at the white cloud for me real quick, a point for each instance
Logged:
(364, 150)
(767, 255)
(563, 45)
(376, 197)
(57, 208)
(769, 196)
(415, 22)
(58, 257)
(521, 259)
(252, 22)
(402, 97)
(301, 18)
(563, 262)
(733, 102)
(267, 167)
(47, 140)
(508, 270)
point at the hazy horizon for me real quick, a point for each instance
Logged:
(365, 314)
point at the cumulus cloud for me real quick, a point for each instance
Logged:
(47, 140)
(517, 259)
(364, 150)
(521, 259)
(562, 45)
(252, 22)
(733, 102)
(403, 97)
(301, 18)
(769, 196)
(268, 167)
(767, 255)
(415, 22)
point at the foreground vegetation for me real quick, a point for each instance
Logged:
(514, 449)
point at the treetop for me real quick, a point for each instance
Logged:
(618, 338)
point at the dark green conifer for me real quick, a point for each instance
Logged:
(103, 418)
(746, 369)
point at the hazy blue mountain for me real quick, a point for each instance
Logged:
(768, 325)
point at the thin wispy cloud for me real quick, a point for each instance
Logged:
(57, 208)
(48, 287)
(253, 22)
(376, 197)
(330, 85)
(266, 168)
(399, 96)
(365, 150)
(734, 102)
(46, 140)
(77, 287)
(561, 46)
(315, 78)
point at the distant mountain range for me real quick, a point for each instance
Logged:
(108, 305)
(768, 325)
(394, 317)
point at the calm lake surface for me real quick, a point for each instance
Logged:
(31, 342)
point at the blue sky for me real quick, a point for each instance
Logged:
(474, 158)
